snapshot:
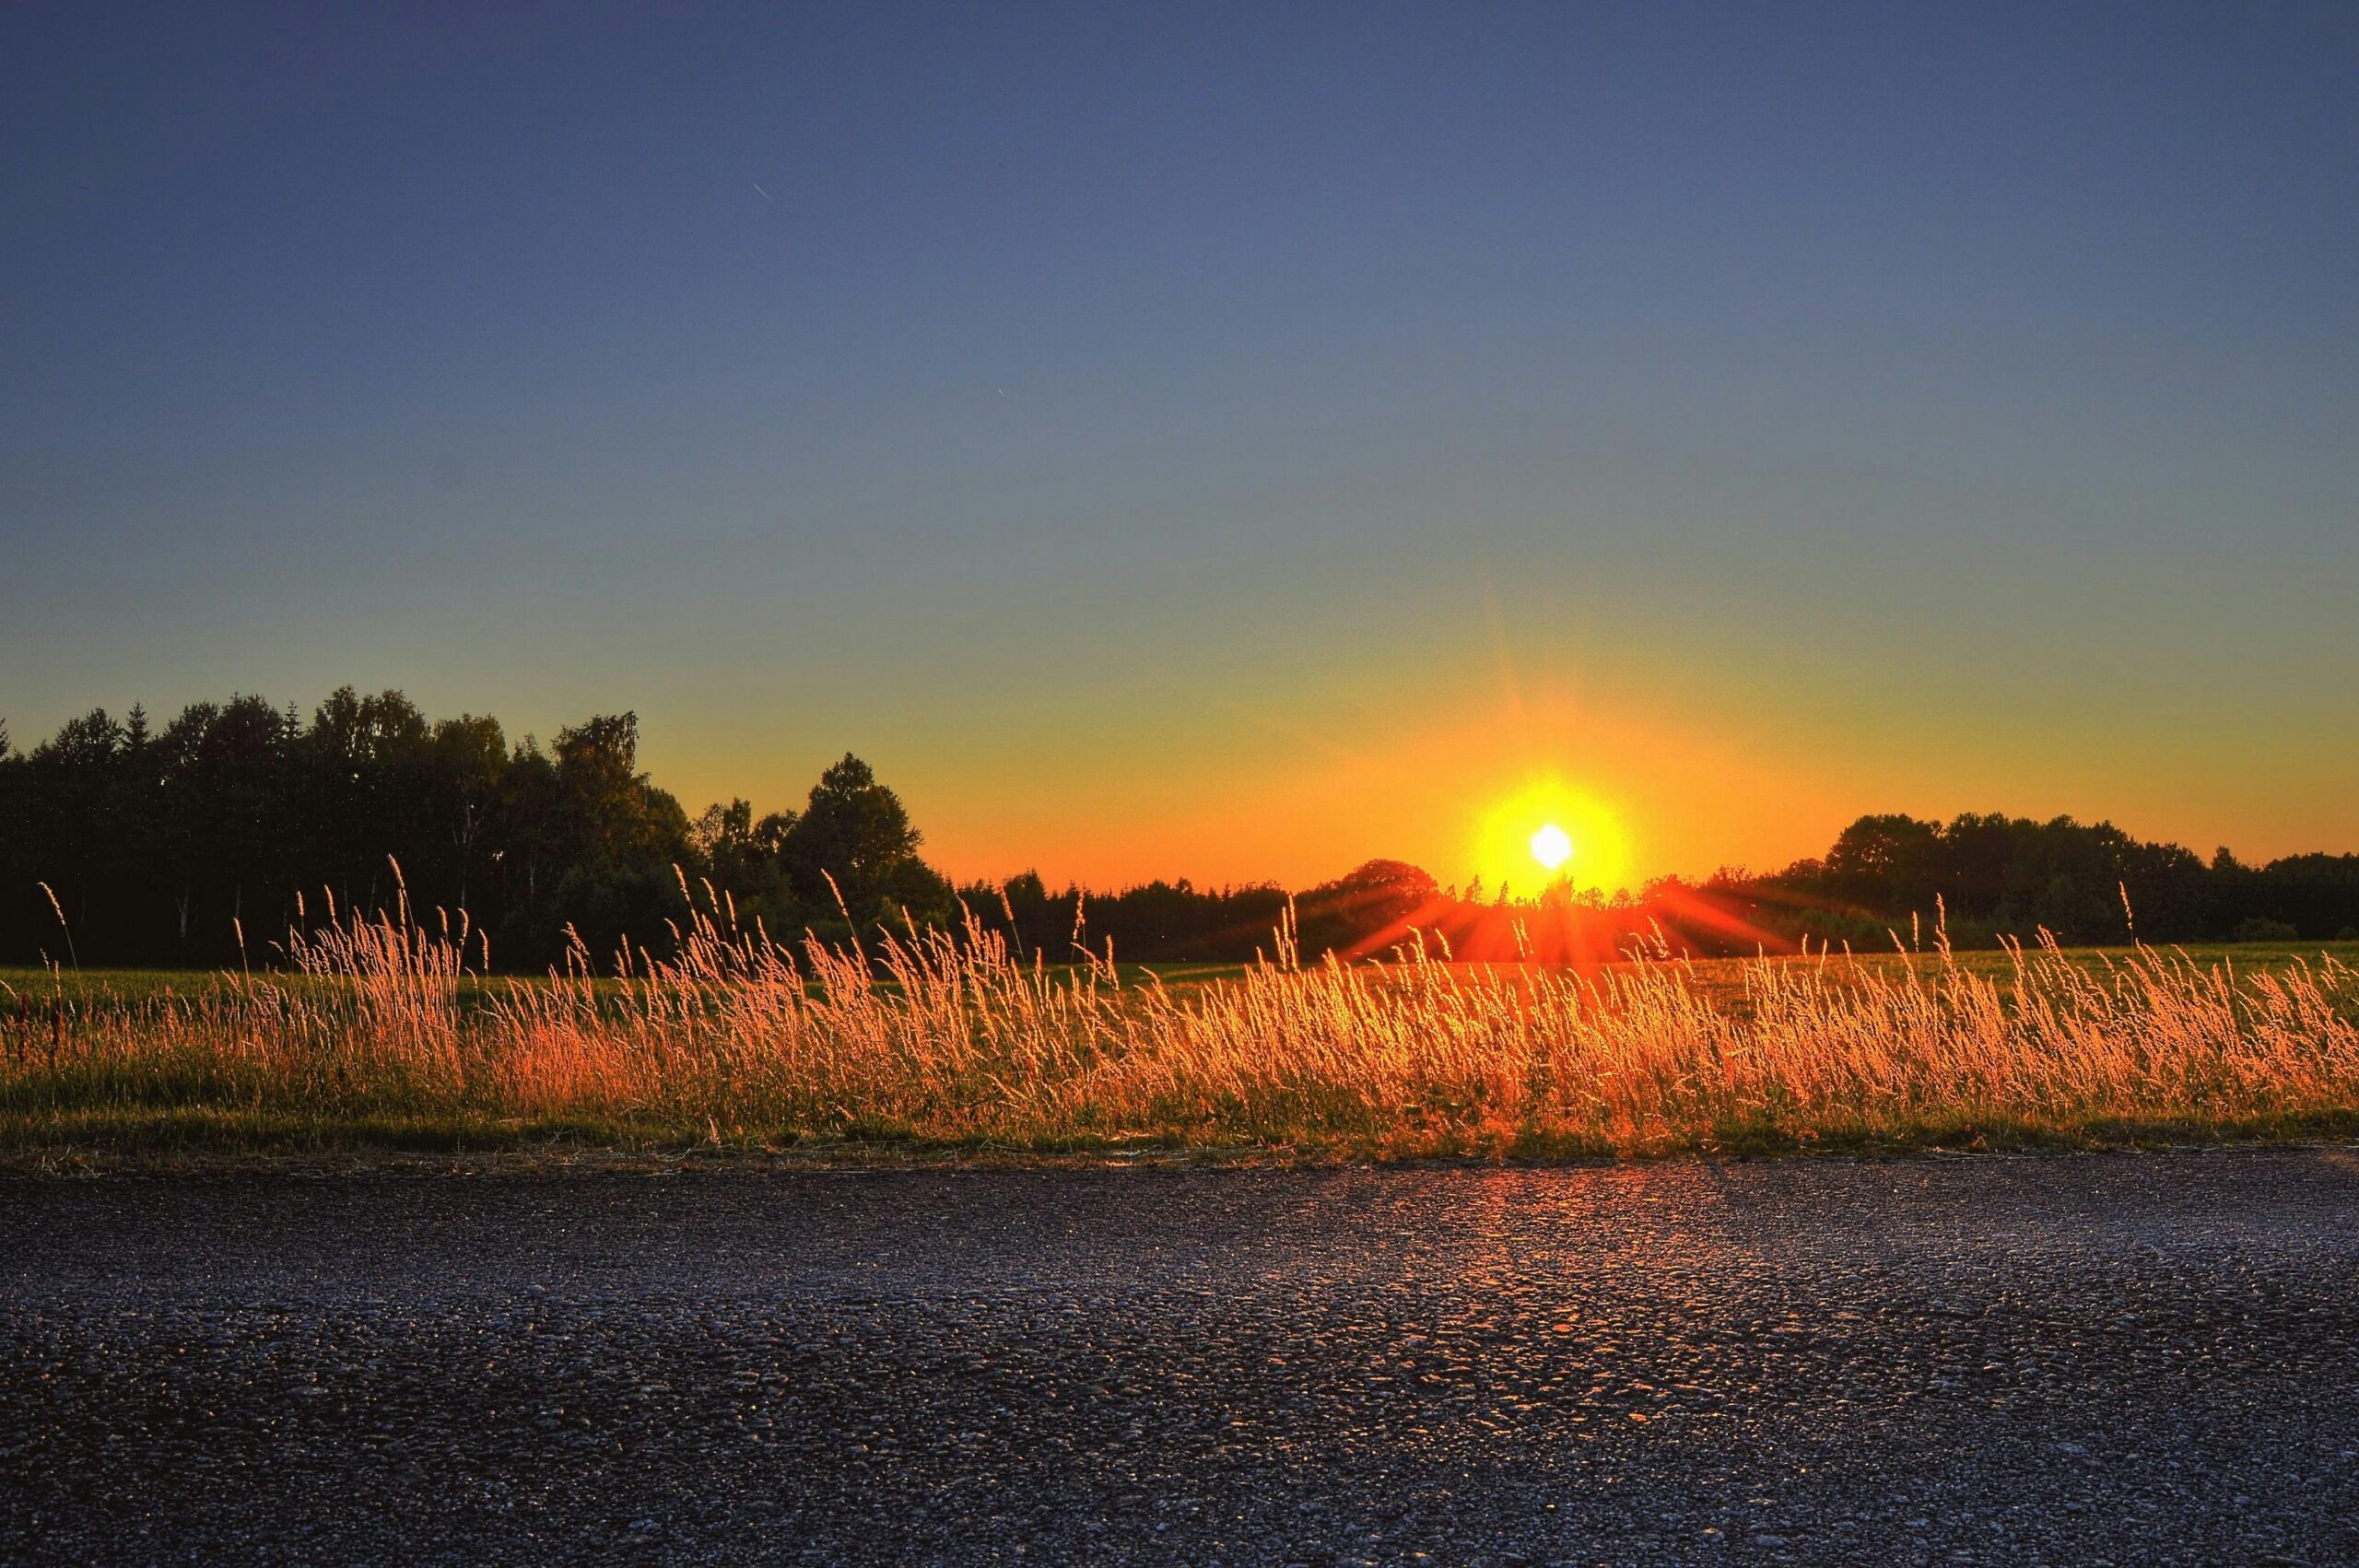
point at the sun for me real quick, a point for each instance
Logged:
(1549, 831)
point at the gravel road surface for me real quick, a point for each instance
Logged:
(2132, 1359)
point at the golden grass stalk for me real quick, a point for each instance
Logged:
(379, 1025)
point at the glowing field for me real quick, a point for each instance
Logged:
(377, 1039)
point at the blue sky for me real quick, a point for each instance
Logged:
(1124, 423)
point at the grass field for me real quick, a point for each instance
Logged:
(377, 1041)
(100, 990)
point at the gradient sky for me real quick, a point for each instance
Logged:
(1219, 441)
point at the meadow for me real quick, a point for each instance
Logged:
(373, 1037)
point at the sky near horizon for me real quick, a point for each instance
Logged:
(1220, 441)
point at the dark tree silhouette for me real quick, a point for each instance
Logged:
(165, 845)
(855, 842)
(621, 838)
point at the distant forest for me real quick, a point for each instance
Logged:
(203, 842)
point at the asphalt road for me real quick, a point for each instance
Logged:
(2122, 1358)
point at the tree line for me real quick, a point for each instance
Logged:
(203, 842)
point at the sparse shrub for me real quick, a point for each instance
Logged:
(2260, 928)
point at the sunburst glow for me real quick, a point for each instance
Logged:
(1549, 830)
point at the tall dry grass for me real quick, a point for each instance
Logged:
(372, 1032)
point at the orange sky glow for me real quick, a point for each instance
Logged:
(1648, 776)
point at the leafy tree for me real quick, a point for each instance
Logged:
(623, 839)
(229, 838)
(854, 850)
(1886, 858)
(466, 761)
(745, 859)
(1372, 905)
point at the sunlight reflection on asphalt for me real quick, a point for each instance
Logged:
(2133, 1357)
